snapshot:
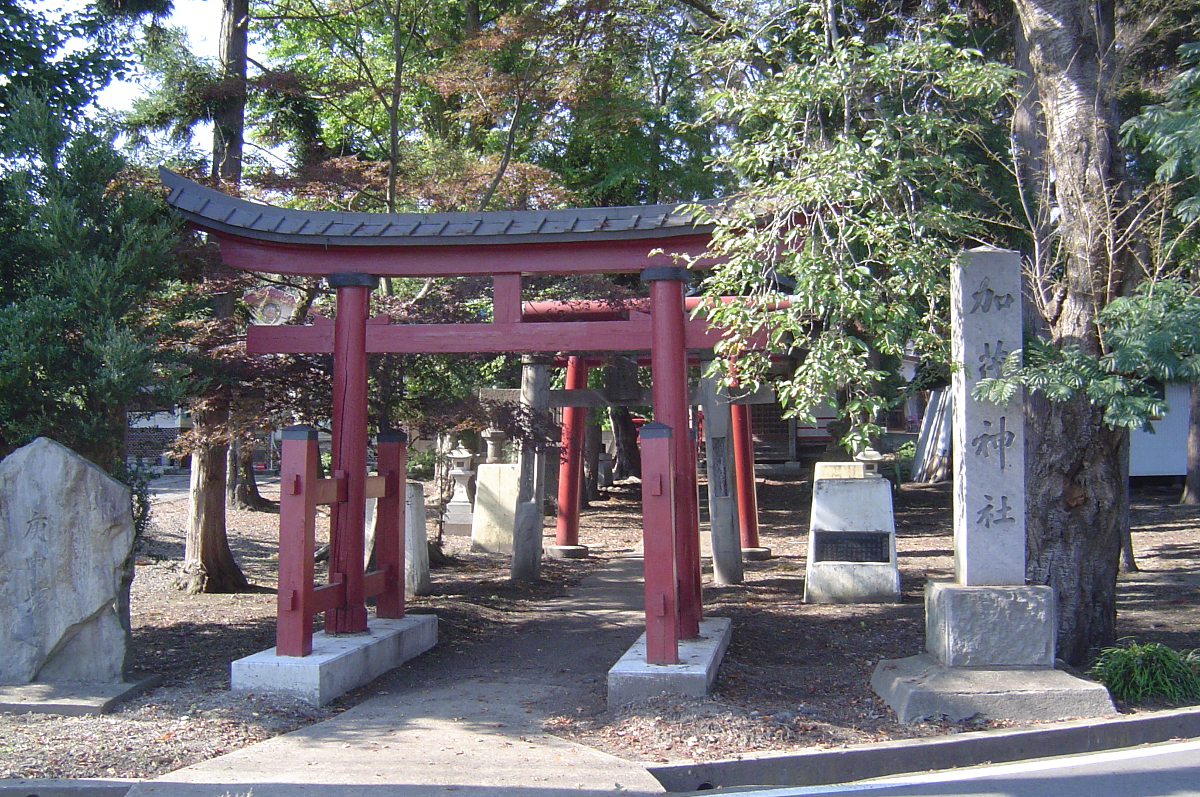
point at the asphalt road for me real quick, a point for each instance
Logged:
(1165, 770)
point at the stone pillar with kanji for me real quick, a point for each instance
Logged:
(989, 637)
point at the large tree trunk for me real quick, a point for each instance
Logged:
(1077, 469)
(229, 123)
(627, 460)
(1076, 504)
(208, 564)
(1191, 486)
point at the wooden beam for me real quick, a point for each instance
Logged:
(476, 338)
(567, 257)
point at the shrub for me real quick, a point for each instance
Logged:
(1151, 670)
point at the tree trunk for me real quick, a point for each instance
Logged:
(627, 460)
(229, 123)
(1191, 485)
(208, 564)
(591, 461)
(1076, 468)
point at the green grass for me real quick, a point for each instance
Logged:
(1152, 670)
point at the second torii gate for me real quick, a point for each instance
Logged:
(353, 250)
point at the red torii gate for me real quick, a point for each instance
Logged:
(352, 251)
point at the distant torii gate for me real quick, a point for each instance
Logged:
(352, 251)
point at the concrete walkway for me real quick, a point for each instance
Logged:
(474, 735)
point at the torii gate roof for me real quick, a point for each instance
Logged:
(265, 237)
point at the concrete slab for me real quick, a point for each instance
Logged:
(566, 551)
(632, 679)
(337, 663)
(920, 687)
(71, 699)
(852, 582)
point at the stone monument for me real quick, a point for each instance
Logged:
(989, 638)
(66, 563)
(416, 542)
(851, 537)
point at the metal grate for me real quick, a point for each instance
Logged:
(851, 546)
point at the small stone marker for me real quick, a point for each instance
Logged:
(416, 542)
(725, 540)
(851, 539)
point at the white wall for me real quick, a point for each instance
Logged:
(1163, 453)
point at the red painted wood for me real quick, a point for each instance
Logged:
(464, 259)
(389, 528)
(743, 467)
(506, 298)
(327, 597)
(470, 338)
(658, 538)
(375, 582)
(299, 460)
(668, 363)
(570, 469)
(347, 519)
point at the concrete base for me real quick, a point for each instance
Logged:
(632, 679)
(337, 663)
(919, 687)
(64, 787)
(566, 551)
(756, 554)
(990, 626)
(852, 582)
(73, 699)
(456, 529)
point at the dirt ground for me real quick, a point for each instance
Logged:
(795, 675)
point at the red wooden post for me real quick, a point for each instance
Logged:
(668, 362)
(743, 465)
(392, 456)
(348, 519)
(570, 469)
(658, 538)
(299, 458)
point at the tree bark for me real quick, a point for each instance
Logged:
(1191, 485)
(1077, 469)
(591, 461)
(208, 564)
(627, 461)
(229, 123)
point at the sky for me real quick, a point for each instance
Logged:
(201, 19)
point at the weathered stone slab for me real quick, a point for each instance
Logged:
(632, 679)
(990, 626)
(66, 544)
(989, 440)
(494, 518)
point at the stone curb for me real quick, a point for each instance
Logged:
(64, 787)
(848, 764)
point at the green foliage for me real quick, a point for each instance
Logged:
(421, 464)
(1149, 671)
(84, 254)
(1151, 336)
(1170, 132)
(64, 59)
(866, 164)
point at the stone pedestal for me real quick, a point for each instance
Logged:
(495, 445)
(852, 543)
(492, 524)
(457, 520)
(989, 626)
